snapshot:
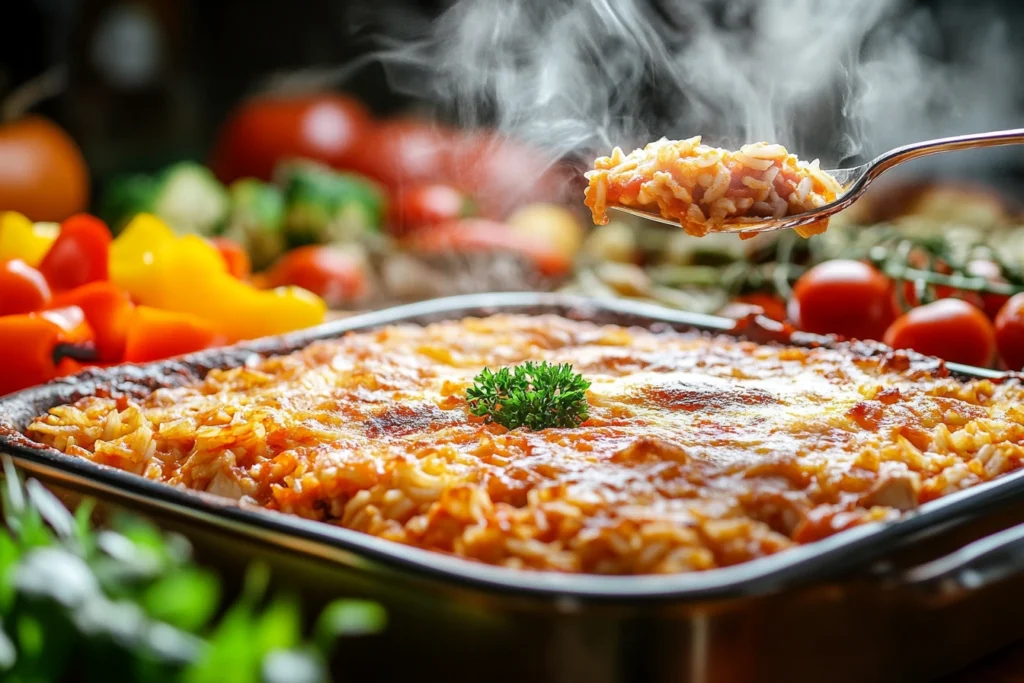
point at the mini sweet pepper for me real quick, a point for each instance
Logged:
(33, 345)
(22, 239)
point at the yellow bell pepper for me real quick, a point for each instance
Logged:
(22, 239)
(188, 275)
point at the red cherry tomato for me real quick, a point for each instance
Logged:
(23, 289)
(424, 205)
(264, 131)
(771, 306)
(234, 255)
(331, 273)
(951, 329)
(1010, 332)
(848, 298)
(79, 254)
(990, 303)
(474, 235)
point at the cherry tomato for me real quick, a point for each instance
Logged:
(990, 303)
(23, 289)
(331, 273)
(951, 329)
(474, 235)
(235, 255)
(266, 130)
(43, 174)
(843, 297)
(425, 205)
(1010, 332)
(79, 254)
(771, 306)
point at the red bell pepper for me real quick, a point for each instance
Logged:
(79, 255)
(23, 289)
(33, 345)
(108, 310)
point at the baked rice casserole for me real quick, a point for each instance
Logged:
(699, 452)
(705, 187)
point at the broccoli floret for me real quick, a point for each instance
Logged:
(191, 199)
(126, 196)
(257, 220)
(322, 205)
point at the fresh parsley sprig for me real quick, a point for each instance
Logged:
(534, 395)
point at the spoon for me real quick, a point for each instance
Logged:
(853, 180)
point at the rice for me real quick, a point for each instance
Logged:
(705, 187)
(698, 453)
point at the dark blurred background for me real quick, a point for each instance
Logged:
(149, 81)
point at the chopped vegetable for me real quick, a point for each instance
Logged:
(22, 239)
(153, 334)
(335, 274)
(107, 309)
(325, 206)
(23, 289)
(257, 220)
(186, 274)
(534, 395)
(843, 297)
(186, 195)
(422, 206)
(950, 329)
(79, 255)
(33, 345)
(475, 235)
(1010, 332)
(128, 603)
(235, 257)
(549, 224)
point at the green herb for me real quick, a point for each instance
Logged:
(127, 603)
(534, 395)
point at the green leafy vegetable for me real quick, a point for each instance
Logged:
(127, 603)
(534, 395)
(257, 220)
(323, 205)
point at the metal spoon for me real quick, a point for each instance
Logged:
(854, 181)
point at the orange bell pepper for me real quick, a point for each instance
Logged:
(187, 275)
(154, 334)
(33, 345)
(22, 239)
(108, 309)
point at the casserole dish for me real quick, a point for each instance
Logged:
(821, 611)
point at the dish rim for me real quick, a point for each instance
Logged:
(794, 566)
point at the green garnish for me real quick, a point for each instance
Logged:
(534, 395)
(128, 603)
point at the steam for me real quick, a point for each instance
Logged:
(836, 79)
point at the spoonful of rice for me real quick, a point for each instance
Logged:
(760, 188)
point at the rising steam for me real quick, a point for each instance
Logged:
(837, 79)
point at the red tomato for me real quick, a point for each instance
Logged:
(79, 254)
(266, 130)
(990, 303)
(23, 289)
(951, 329)
(43, 174)
(848, 298)
(479, 235)
(403, 152)
(771, 306)
(329, 272)
(234, 255)
(424, 205)
(1010, 332)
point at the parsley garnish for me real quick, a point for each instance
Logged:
(534, 395)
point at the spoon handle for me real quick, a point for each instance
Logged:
(997, 138)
